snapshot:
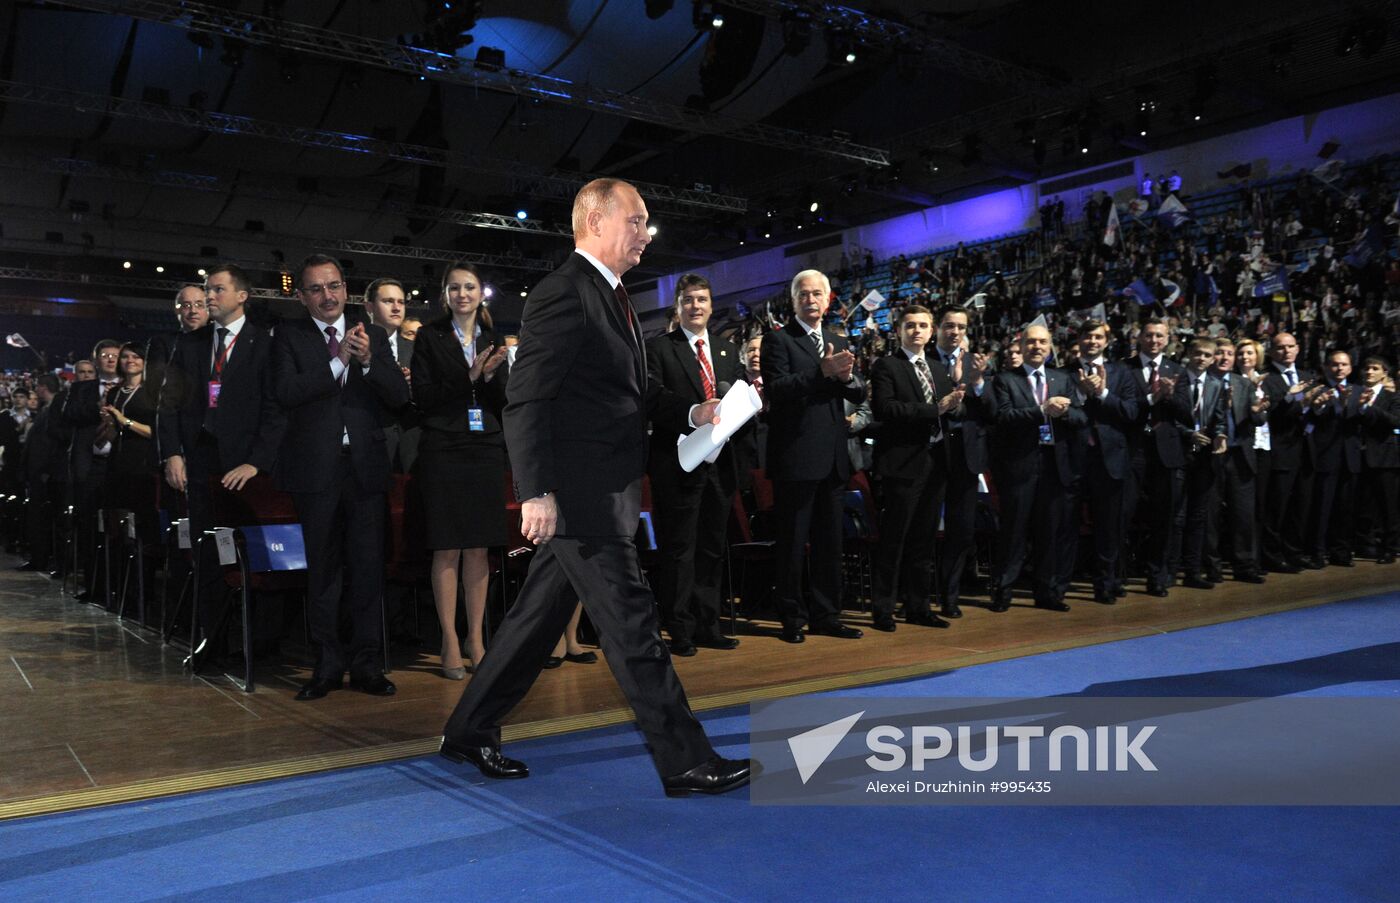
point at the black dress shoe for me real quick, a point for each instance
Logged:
(1387, 558)
(1309, 563)
(1214, 575)
(793, 634)
(1248, 577)
(582, 658)
(1001, 601)
(950, 610)
(718, 641)
(487, 759)
(925, 619)
(718, 775)
(1052, 605)
(1283, 567)
(885, 623)
(838, 630)
(683, 648)
(316, 687)
(552, 662)
(373, 684)
(1104, 597)
(1342, 561)
(1120, 591)
(1194, 582)
(1155, 590)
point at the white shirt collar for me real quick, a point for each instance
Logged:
(1031, 371)
(339, 325)
(805, 328)
(691, 337)
(613, 280)
(942, 355)
(914, 358)
(1144, 360)
(233, 328)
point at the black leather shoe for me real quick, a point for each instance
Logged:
(28, 566)
(1342, 561)
(793, 635)
(582, 658)
(373, 684)
(1105, 597)
(885, 623)
(487, 759)
(718, 775)
(552, 662)
(1194, 582)
(1120, 591)
(1001, 601)
(1248, 577)
(1387, 558)
(198, 660)
(683, 648)
(838, 630)
(925, 619)
(1309, 563)
(950, 610)
(717, 641)
(1214, 575)
(1282, 567)
(315, 688)
(1155, 590)
(1052, 605)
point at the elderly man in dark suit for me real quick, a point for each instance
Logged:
(1036, 414)
(339, 386)
(808, 372)
(578, 404)
(692, 509)
(1110, 398)
(217, 420)
(910, 395)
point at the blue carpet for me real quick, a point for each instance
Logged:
(592, 824)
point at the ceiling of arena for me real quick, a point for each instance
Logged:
(401, 133)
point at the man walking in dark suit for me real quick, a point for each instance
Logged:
(910, 396)
(1287, 486)
(217, 420)
(1158, 455)
(692, 509)
(808, 372)
(1235, 475)
(1205, 441)
(339, 386)
(1036, 412)
(966, 452)
(1110, 398)
(575, 422)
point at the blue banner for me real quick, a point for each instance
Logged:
(1044, 298)
(1140, 292)
(1274, 283)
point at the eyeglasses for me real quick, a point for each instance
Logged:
(191, 305)
(330, 288)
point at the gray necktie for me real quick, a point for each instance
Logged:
(817, 342)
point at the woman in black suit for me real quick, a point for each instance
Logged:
(459, 388)
(128, 414)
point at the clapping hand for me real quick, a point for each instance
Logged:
(951, 400)
(838, 364)
(1166, 385)
(1056, 406)
(1091, 381)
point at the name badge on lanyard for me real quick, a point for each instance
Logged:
(1047, 434)
(214, 393)
(474, 421)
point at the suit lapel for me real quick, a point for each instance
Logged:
(617, 317)
(690, 365)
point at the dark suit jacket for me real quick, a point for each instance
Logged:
(1379, 428)
(1167, 417)
(578, 403)
(672, 364)
(1239, 400)
(973, 418)
(1016, 439)
(131, 453)
(1109, 420)
(81, 411)
(1286, 421)
(1212, 419)
(1334, 443)
(319, 410)
(443, 390)
(248, 423)
(41, 453)
(906, 420)
(807, 428)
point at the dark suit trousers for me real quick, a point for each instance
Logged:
(1104, 496)
(202, 465)
(603, 573)
(1162, 490)
(691, 523)
(1233, 517)
(344, 532)
(1032, 510)
(908, 525)
(959, 523)
(42, 512)
(1286, 494)
(1201, 501)
(808, 512)
(1330, 514)
(1378, 505)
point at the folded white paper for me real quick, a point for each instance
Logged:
(737, 408)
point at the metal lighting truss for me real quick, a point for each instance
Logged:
(525, 179)
(129, 282)
(274, 32)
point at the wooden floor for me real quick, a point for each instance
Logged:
(94, 711)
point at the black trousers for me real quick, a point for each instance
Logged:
(1201, 501)
(1330, 515)
(202, 465)
(909, 511)
(343, 528)
(808, 512)
(603, 573)
(1378, 504)
(959, 523)
(1032, 511)
(1286, 494)
(1162, 490)
(1104, 497)
(1231, 525)
(41, 512)
(691, 522)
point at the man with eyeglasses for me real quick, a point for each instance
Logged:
(339, 386)
(191, 309)
(217, 420)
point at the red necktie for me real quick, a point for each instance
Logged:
(707, 377)
(622, 299)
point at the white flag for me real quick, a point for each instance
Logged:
(1110, 234)
(1038, 321)
(1174, 292)
(15, 340)
(1098, 312)
(872, 300)
(1330, 171)
(978, 301)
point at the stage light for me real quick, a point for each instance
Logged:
(414, 293)
(160, 269)
(1084, 150)
(126, 264)
(285, 284)
(814, 206)
(840, 47)
(767, 235)
(202, 273)
(521, 215)
(652, 230)
(523, 294)
(705, 17)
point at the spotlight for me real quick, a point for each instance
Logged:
(521, 215)
(523, 294)
(285, 284)
(487, 292)
(1084, 150)
(840, 47)
(202, 272)
(414, 293)
(814, 206)
(705, 16)
(652, 230)
(491, 59)
(160, 269)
